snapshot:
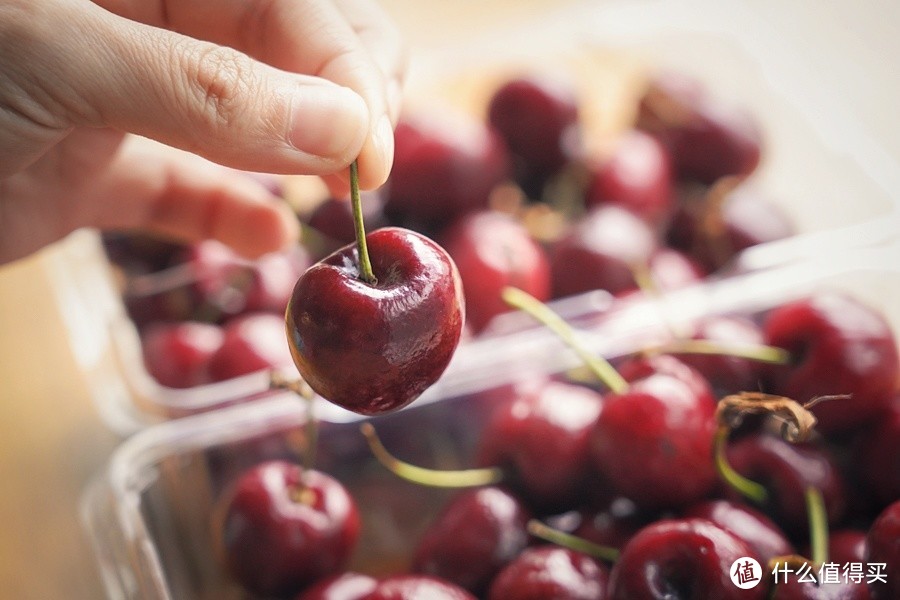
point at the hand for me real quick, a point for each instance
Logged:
(278, 86)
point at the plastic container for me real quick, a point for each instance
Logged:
(817, 156)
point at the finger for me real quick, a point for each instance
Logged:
(194, 95)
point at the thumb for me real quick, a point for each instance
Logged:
(197, 96)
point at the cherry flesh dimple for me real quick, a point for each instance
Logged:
(252, 342)
(473, 537)
(883, 546)
(601, 252)
(373, 348)
(759, 532)
(417, 587)
(550, 572)
(537, 116)
(284, 528)
(653, 442)
(542, 436)
(177, 354)
(444, 166)
(637, 176)
(680, 558)
(839, 346)
(346, 586)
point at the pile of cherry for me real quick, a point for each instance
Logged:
(624, 471)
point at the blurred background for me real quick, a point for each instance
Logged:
(51, 437)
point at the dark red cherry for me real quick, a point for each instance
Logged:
(537, 116)
(220, 278)
(272, 278)
(846, 546)
(417, 587)
(177, 355)
(637, 176)
(876, 457)
(681, 558)
(839, 346)
(492, 250)
(373, 348)
(473, 537)
(653, 441)
(252, 342)
(613, 525)
(601, 251)
(707, 138)
(445, 165)
(284, 528)
(541, 437)
(883, 551)
(550, 572)
(785, 470)
(333, 218)
(345, 586)
(750, 525)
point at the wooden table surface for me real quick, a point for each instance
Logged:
(51, 438)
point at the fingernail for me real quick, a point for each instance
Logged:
(383, 139)
(328, 121)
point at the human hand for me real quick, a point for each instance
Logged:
(279, 86)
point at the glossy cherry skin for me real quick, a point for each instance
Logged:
(373, 348)
(753, 527)
(537, 117)
(550, 571)
(252, 342)
(653, 442)
(417, 587)
(492, 251)
(601, 252)
(345, 586)
(707, 139)
(838, 346)
(284, 528)
(637, 176)
(473, 537)
(680, 558)
(883, 546)
(786, 470)
(177, 354)
(541, 437)
(613, 525)
(445, 164)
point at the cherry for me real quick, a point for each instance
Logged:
(601, 251)
(611, 526)
(541, 438)
(876, 457)
(284, 528)
(846, 546)
(550, 572)
(417, 587)
(653, 441)
(786, 470)
(492, 250)
(444, 166)
(840, 346)
(680, 558)
(759, 532)
(177, 355)
(333, 218)
(373, 347)
(707, 139)
(883, 543)
(345, 586)
(473, 537)
(220, 277)
(637, 176)
(272, 278)
(537, 116)
(252, 342)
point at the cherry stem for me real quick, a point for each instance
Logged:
(430, 477)
(541, 312)
(758, 352)
(818, 525)
(572, 542)
(746, 487)
(365, 265)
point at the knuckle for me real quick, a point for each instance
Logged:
(219, 81)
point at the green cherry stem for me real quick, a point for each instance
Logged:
(818, 525)
(746, 487)
(572, 542)
(527, 303)
(365, 265)
(430, 477)
(757, 352)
